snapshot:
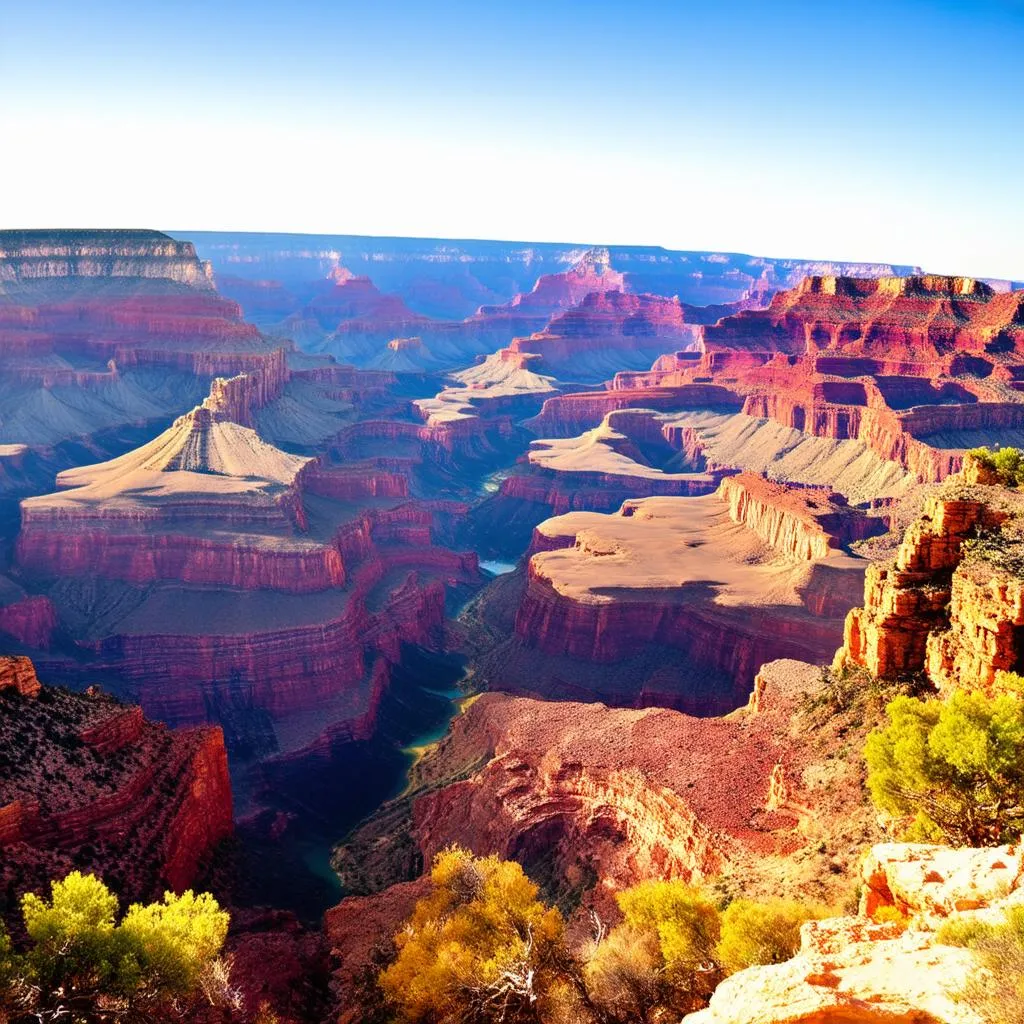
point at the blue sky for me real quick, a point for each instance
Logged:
(876, 131)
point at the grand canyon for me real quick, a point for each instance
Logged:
(323, 557)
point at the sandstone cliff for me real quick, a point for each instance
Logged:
(950, 604)
(673, 575)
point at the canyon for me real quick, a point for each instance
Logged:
(358, 548)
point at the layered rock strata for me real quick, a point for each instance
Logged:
(212, 575)
(918, 369)
(88, 783)
(601, 588)
(951, 603)
(592, 799)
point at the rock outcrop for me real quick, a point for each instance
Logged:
(800, 522)
(854, 969)
(214, 576)
(88, 783)
(918, 369)
(951, 604)
(592, 799)
(609, 331)
(918, 319)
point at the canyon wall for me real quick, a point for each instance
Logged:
(950, 605)
(90, 784)
(31, 255)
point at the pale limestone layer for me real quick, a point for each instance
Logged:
(851, 970)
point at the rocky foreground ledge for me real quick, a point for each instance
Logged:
(854, 970)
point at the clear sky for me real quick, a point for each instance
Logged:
(851, 130)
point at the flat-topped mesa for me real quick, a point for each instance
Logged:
(916, 284)
(805, 523)
(922, 318)
(89, 783)
(605, 588)
(631, 453)
(34, 256)
(951, 604)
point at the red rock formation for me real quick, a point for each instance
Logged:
(19, 675)
(910, 317)
(951, 603)
(31, 620)
(677, 576)
(566, 415)
(607, 331)
(908, 366)
(139, 804)
(552, 292)
(801, 522)
(579, 792)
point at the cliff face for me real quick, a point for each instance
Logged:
(917, 369)
(88, 783)
(951, 604)
(802, 523)
(592, 799)
(27, 256)
(909, 317)
(215, 576)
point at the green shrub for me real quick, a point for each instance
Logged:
(964, 931)
(762, 933)
(661, 957)
(81, 957)
(1007, 462)
(951, 769)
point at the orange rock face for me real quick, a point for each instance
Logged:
(19, 675)
(950, 605)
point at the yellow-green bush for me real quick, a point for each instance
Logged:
(951, 769)
(762, 933)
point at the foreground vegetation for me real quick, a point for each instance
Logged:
(996, 994)
(83, 965)
(484, 947)
(951, 770)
